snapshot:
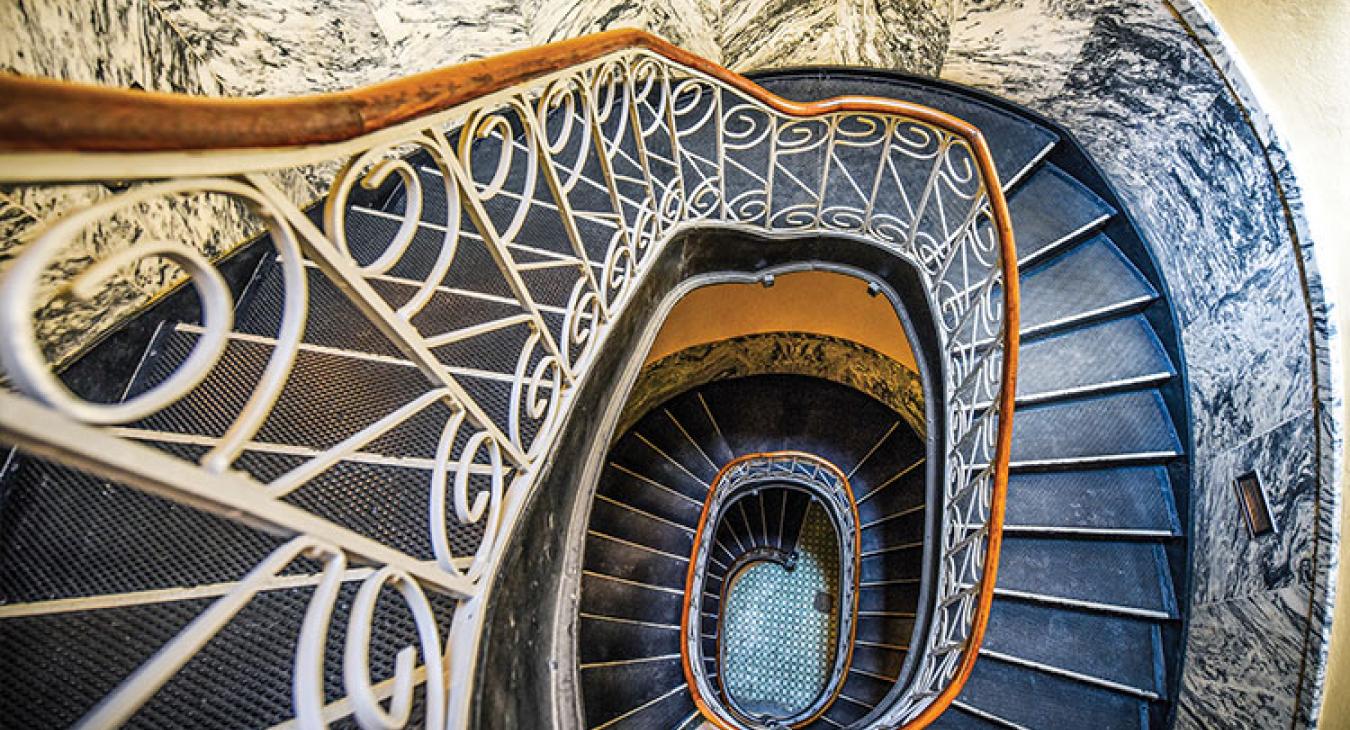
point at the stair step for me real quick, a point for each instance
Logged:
(865, 689)
(887, 634)
(650, 497)
(625, 690)
(622, 559)
(1014, 142)
(876, 660)
(1132, 425)
(900, 450)
(1032, 699)
(958, 718)
(642, 528)
(1087, 280)
(1120, 500)
(669, 434)
(794, 514)
(1072, 642)
(327, 398)
(636, 457)
(620, 600)
(609, 641)
(889, 534)
(672, 711)
(1118, 352)
(695, 415)
(1050, 209)
(1125, 577)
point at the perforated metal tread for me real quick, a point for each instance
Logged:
(1056, 639)
(1033, 699)
(1051, 209)
(957, 718)
(1126, 499)
(1114, 353)
(1084, 281)
(1131, 425)
(1125, 577)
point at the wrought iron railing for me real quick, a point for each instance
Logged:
(616, 143)
(826, 484)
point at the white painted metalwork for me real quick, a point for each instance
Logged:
(825, 484)
(619, 155)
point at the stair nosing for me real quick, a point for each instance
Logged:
(1110, 608)
(1071, 675)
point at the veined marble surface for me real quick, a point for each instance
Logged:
(1243, 662)
(780, 353)
(906, 35)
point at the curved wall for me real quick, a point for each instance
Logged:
(823, 302)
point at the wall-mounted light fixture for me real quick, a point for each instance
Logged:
(1255, 504)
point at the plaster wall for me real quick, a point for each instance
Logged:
(822, 303)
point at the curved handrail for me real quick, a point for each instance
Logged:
(724, 486)
(220, 147)
(45, 114)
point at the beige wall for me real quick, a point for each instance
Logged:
(818, 302)
(1298, 56)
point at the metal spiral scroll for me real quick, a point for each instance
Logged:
(911, 155)
(485, 507)
(488, 178)
(695, 107)
(372, 169)
(845, 205)
(308, 682)
(27, 366)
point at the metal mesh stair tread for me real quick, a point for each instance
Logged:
(1117, 425)
(1118, 350)
(1112, 575)
(1072, 641)
(1137, 498)
(1004, 690)
(1088, 278)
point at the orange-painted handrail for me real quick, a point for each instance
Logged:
(686, 661)
(44, 115)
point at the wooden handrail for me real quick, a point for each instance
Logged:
(686, 662)
(49, 115)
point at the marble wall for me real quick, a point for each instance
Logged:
(779, 353)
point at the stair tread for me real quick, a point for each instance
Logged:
(1129, 498)
(608, 641)
(1115, 351)
(625, 560)
(1120, 425)
(1072, 641)
(1130, 576)
(1090, 277)
(1003, 690)
(1049, 209)
(616, 691)
(955, 718)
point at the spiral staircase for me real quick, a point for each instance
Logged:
(101, 572)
